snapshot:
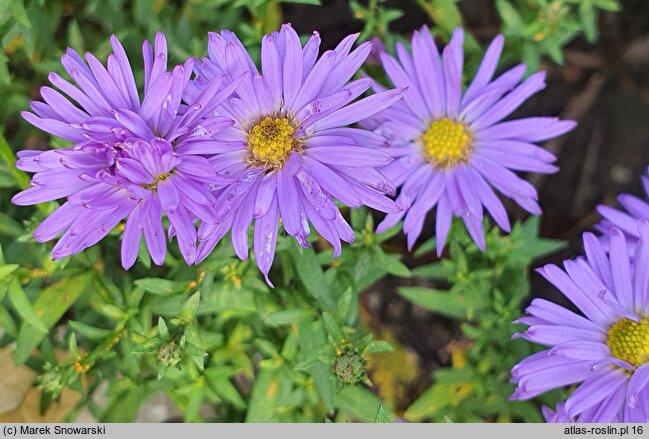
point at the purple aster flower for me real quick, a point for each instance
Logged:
(606, 349)
(291, 150)
(634, 208)
(451, 148)
(131, 158)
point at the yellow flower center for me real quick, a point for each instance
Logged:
(447, 143)
(160, 177)
(629, 341)
(271, 141)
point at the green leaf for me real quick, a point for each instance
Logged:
(8, 156)
(24, 307)
(226, 390)
(427, 246)
(392, 231)
(195, 398)
(358, 218)
(163, 330)
(432, 402)
(6, 270)
(9, 226)
(510, 16)
(381, 416)
(90, 332)
(143, 255)
(444, 13)
(532, 246)
(50, 306)
(289, 316)
(75, 37)
(311, 275)
(5, 77)
(159, 286)
(442, 302)
(588, 19)
(188, 311)
(436, 270)
(20, 14)
(265, 394)
(324, 382)
(361, 403)
(332, 327)
(72, 345)
(391, 263)
(378, 346)
(7, 323)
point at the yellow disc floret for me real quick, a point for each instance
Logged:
(629, 341)
(447, 143)
(270, 141)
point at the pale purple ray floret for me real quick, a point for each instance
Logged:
(633, 208)
(132, 158)
(605, 350)
(291, 149)
(451, 147)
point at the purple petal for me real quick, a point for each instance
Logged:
(266, 238)
(131, 237)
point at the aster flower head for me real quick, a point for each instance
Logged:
(132, 157)
(291, 150)
(606, 349)
(452, 148)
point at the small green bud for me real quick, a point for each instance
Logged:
(169, 354)
(349, 367)
(50, 382)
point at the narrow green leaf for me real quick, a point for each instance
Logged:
(72, 345)
(9, 226)
(163, 330)
(311, 275)
(391, 263)
(378, 346)
(442, 302)
(332, 327)
(188, 312)
(324, 382)
(24, 307)
(6, 270)
(226, 390)
(50, 306)
(392, 231)
(510, 16)
(8, 156)
(426, 247)
(360, 403)
(289, 316)
(20, 14)
(431, 402)
(90, 332)
(436, 270)
(75, 37)
(158, 286)
(263, 405)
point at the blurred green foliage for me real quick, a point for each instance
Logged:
(487, 291)
(215, 335)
